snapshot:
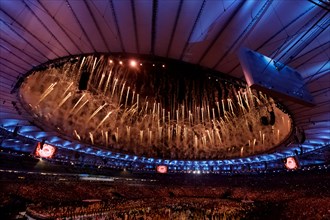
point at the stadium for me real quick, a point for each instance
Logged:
(157, 109)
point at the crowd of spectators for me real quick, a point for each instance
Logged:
(265, 197)
(148, 208)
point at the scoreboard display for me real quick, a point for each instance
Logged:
(44, 150)
(291, 163)
(161, 169)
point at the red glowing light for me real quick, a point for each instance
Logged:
(161, 169)
(133, 63)
(291, 163)
(47, 151)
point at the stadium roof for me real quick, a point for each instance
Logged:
(206, 33)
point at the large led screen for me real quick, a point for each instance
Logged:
(291, 163)
(45, 150)
(161, 169)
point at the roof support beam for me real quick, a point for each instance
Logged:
(192, 29)
(13, 63)
(27, 42)
(15, 55)
(221, 31)
(276, 34)
(135, 27)
(60, 26)
(178, 12)
(81, 26)
(117, 25)
(97, 25)
(246, 31)
(20, 50)
(154, 25)
(46, 27)
(30, 33)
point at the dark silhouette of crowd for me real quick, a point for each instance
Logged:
(269, 196)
